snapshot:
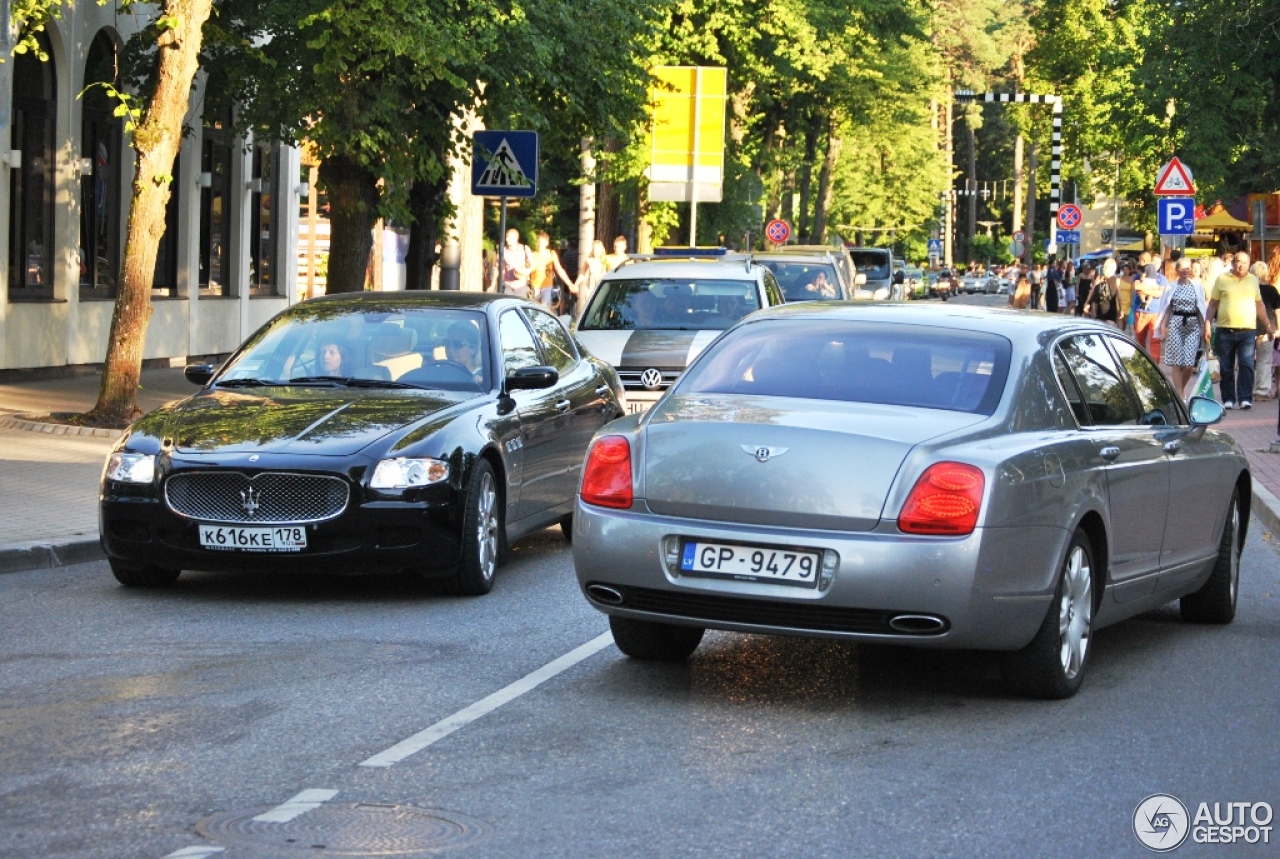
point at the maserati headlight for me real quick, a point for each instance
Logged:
(131, 467)
(407, 473)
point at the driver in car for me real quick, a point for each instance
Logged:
(821, 286)
(463, 347)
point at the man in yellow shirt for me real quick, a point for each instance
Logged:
(1235, 303)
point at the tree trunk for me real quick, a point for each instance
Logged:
(607, 202)
(644, 229)
(586, 201)
(1018, 144)
(353, 200)
(811, 135)
(1031, 201)
(156, 141)
(948, 217)
(825, 186)
(425, 202)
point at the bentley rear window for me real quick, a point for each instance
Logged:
(676, 305)
(896, 365)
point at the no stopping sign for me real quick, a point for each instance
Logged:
(778, 232)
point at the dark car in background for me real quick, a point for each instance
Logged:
(363, 433)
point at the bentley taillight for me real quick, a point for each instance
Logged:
(606, 480)
(945, 501)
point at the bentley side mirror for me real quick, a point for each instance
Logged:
(532, 378)
(1205, 411)
(199, 374)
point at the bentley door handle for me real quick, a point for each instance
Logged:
(1172, 447)
(562, 406)
(602, 390)
(1110, 454)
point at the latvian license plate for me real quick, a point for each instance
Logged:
(751, 563)
(285, 538)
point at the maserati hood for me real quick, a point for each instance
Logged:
(324, 421)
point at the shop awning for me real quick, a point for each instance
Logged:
(1222, 220)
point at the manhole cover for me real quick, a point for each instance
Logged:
(348, 829)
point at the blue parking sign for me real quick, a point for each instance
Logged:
(1176, 216)
(504, 164)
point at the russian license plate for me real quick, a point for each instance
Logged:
(751, 563)
(285, 538)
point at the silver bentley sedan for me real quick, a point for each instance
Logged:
(935, 476)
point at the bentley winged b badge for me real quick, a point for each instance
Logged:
(764, 454)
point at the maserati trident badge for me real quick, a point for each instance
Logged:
(250, 501)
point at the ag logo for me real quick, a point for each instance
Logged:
(1161, 823)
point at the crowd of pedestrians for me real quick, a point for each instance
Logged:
(1181, 310)
(543, 275)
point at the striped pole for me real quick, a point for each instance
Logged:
(1055, 164)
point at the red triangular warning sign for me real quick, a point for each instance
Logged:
(1174, 180)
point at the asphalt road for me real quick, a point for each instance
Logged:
(153, 724)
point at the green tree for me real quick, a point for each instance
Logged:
(172, 38)
(378, 102)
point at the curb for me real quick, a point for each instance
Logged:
(50, 556)
(1266, 507)
(31, 424)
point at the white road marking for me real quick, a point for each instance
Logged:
(194, 852)
(299, 805)
(467, 715)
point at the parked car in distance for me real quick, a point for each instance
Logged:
(649, 318)
(420, 431)
(947, 477)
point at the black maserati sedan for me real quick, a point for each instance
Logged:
(372, 432)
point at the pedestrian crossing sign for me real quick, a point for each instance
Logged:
(504, 164)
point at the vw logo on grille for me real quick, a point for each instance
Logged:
(250, 500)
(651, 379)
(763, 454)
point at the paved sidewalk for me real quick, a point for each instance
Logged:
(49, 475)
(49, 480)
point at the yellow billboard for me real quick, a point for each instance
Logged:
(686, 133)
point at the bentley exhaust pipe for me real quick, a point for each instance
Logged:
(917, 624)
(604, 594)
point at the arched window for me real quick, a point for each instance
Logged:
(102, 151)
(32, 178)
